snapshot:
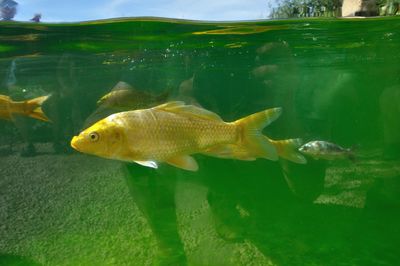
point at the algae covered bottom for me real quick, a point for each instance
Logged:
(336, 80)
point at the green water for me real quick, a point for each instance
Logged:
(336, 80)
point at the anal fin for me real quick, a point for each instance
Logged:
(185, 162)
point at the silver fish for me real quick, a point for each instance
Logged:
(319, 149)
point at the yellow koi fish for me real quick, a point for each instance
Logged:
(173, 131)
(31, 108)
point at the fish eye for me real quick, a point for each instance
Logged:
(94, 136)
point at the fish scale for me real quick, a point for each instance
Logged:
(158, 139)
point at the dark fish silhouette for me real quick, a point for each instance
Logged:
(124, 97)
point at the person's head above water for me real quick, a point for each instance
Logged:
(36, 18)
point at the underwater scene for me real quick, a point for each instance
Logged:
(150, 141)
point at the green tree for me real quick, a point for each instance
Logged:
(388, 7)
(306, 8)
(325, 8)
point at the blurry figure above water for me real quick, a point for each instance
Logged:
(36, 18)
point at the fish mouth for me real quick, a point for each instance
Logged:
(73, 143)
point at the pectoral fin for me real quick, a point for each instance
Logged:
(151, 164)
(185, 162)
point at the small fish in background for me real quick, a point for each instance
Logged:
(125, 97)
(173, 131)
(326, 150)
(31, 108)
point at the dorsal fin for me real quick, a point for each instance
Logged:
(168, 105)
(179, 107)
(122, 85)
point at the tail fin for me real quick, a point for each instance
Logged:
(252, 139)
(35, 108)
(288, 149)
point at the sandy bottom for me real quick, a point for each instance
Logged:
(77, 210)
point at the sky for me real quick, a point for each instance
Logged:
(83, 10)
